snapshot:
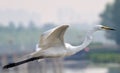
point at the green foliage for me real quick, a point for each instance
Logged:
(14, 38)
(105, 57)
(111, 17)
(18, 35)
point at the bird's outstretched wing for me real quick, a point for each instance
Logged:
(53, 37)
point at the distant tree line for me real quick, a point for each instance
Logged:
(111, 17)
(14, 38)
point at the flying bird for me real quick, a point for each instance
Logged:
(52, 45)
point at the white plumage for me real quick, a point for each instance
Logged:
(52, 42)
(52, 45)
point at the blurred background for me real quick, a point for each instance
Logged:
(23, 21)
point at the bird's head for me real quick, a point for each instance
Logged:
(101, 27)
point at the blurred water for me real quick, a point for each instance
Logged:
(63, 66)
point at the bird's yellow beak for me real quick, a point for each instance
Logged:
(107, 28)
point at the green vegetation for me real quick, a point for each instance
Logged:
(105, 57)
(111, 17)
(19, 38)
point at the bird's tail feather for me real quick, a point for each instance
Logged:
(22, 62)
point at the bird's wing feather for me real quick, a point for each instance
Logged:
(53, 37)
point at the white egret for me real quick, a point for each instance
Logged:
(51, 45)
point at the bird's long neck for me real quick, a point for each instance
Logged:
(86, 42)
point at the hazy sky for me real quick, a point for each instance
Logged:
(88, 10)
(85, 11)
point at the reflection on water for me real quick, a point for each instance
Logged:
(61, 66)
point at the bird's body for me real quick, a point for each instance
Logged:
(52, 45)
